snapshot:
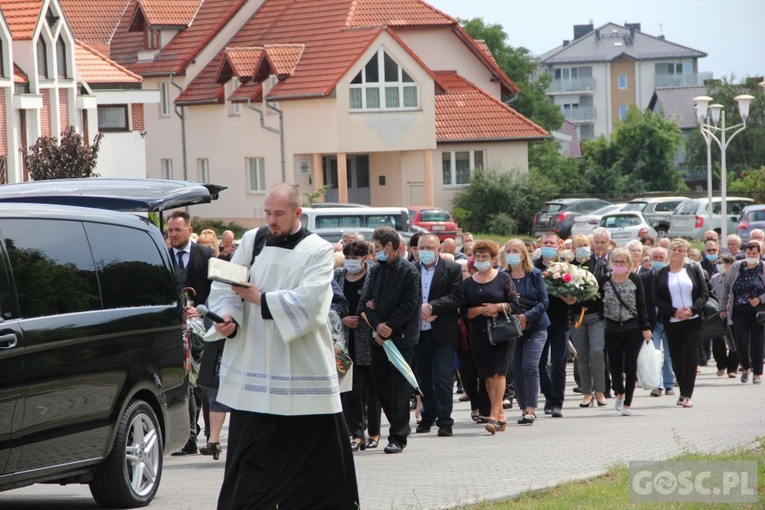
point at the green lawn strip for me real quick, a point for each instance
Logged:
(611, 490)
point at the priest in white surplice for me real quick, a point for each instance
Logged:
(288, 442)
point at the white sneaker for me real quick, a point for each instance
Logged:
(619, 404)
(626, 412)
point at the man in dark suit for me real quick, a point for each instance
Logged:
(190, 262)
(659, 258)
(442, 294)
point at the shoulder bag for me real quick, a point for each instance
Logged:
(625, 326)
(502, 330)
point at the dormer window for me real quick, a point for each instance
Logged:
(61, 58)
(383, 85)
(42, 58)
(152, 38)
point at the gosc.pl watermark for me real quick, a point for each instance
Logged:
(693, 482)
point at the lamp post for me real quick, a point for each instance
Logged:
(714, 129)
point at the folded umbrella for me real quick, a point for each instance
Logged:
(396, 359)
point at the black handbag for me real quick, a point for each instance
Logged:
(502, 330)
(760, 315)
(712, 325)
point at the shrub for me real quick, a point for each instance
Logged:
(66, 157)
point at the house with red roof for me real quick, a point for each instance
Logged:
(384, 102)
(49, 80)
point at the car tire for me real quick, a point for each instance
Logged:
(662, 232)
(130, 475)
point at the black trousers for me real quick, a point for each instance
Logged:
(749, 338)
(683, 337)
(361, 406)
(725, 359)
(393, 391)
(623, 351)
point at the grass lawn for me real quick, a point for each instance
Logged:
(612, 489)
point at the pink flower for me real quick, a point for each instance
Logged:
(556, 275)
(567, 277)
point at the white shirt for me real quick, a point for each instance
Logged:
(186, 250)
(426, 276)
(681, 290)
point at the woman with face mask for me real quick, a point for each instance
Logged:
(488, 294)
(532, 313)
(627, 326)
(726, 360)
(744, 292)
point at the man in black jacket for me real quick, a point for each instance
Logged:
(667, 375)
(393, 308)
(190, 261)
(442, 294)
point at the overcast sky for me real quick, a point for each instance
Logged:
(733, 46)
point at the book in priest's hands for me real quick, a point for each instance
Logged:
(226, 272)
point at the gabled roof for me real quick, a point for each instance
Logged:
(94, 21)
(464, 113)
(164, 13)
(19, 76)
(93, 67)
(239, 62)
(612, 41)
(677, 104)
(22, 17)
(333, 35)
(284, 57)
(252, 91)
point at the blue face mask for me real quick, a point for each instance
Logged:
(513, 259)
(484, 265)
(427, 257)
(381, 256)
(549, 253)
(583, 252)
(353, 266)
(711, 257)
(658, 265)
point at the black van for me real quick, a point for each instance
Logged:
(94, 385)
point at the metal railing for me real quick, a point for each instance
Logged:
(571, 85)
(681, 80)
(580, 114)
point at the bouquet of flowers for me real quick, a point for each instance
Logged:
(569, 280)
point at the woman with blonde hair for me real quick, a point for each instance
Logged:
(208, 238)
(532, 312)
(488, 294)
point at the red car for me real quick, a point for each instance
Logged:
(434, 220)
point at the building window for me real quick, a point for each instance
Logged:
(623, 111)
(61, 58)
(383, 85)
(256, 174)
(42, 58)
(113, 118)
(2, 64)
(152, 39)
(622, 81)
(234, 109)
(203, 170)
(458, 166)
(167, 168)
(164, 100)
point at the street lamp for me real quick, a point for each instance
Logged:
(712, 124)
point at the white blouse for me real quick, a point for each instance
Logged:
(681, 290)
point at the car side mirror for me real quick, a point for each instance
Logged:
(734, 219)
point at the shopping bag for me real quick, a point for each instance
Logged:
(649, 365)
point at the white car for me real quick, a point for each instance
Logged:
(626, 226)
(586, 223)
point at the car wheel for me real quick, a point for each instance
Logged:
(662, 232)
(130, 475)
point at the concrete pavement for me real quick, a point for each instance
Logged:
(471, 466)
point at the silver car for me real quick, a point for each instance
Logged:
(626, 226)
(586, 223)
(693, 217)
(753, 217)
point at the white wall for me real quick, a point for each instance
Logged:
(122, 155)
(163, 134)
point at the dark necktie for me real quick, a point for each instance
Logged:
(180, 260)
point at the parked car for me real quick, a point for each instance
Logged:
(657, 210)
(692, 218)
(434, 220)
(356, 217)
(752, 217)
(626, 226)
(586, 223)
(94, 368)
(334, 235)
(558, 215)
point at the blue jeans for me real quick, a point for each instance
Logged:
(435, 373)
(667, 375)
(528, 351)
(590, 342)
(553, 379)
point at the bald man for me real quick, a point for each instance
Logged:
(450, 246)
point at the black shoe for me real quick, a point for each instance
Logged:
(357, 445)
(557, 412)
(507, 403)
(371, 443)
(445, 431)
(189, 449)
(393, 448)
(213, 449)
(548, 410)
(423, 428)
(607, 394)
(412, 404)
(464, 398)
(576, 390)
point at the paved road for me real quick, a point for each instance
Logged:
(437, 472)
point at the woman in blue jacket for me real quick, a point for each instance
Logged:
(533, 299)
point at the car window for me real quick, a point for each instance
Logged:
(666, 206)
(758, 215)
(553, 208)
(349, 221)
(7, 296)
(52, 267)
(635, 206)
(620, 221)
(130, 268)
(736, 207)
(687, 207)
(412, 214)
(435, 215)
(590, 205)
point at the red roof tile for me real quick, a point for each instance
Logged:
(284, 57)
(373, 13)
(464, 112)
(169, 13)
(250, 90)
(93, 67)
(94, 21)
(19, 76)
(204, 88)
(125, 45)
(22, 17)
(508, 86)
(243, 61)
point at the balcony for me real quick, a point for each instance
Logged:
(580, 114)
(571, 86)
(681, 80)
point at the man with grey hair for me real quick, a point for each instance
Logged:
(733, 243)
(600, 239)
(659, 260)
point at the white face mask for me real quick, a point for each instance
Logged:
(483, 265)
(752, 260)
(353, 266)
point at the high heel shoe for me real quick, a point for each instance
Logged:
(492, 426)
(213, 449)
(586, 404)
(357, 445)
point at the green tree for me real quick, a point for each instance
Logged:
(69, 156)
(563, 173)
(517, 63)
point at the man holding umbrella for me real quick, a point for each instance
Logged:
(393, 302)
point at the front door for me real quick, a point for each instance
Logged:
(358, 178)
